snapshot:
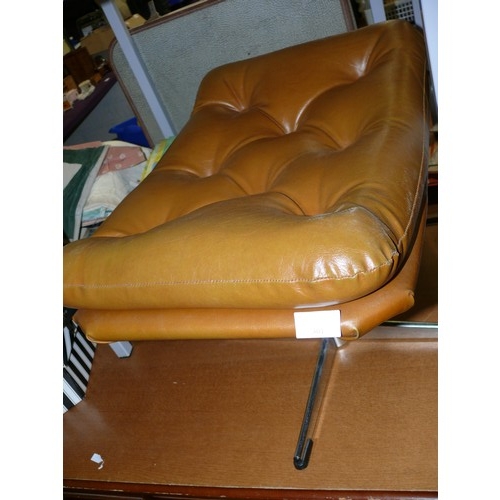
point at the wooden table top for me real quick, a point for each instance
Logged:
(222, 414)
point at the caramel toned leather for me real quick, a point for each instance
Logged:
(298, 183)
(357, 317)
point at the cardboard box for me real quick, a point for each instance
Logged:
(78, 355)
(135, 21)
(69, 84)
(98, 41)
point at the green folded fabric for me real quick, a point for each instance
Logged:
(77, 191)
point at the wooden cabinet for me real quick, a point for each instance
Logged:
(79, 64)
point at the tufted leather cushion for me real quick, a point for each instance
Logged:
(179, 48)
(298, 182)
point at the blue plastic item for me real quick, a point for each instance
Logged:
(130, 131)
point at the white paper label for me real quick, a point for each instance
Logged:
(98, 460)
(317, 324)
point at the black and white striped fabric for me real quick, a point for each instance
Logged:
(78, 354)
